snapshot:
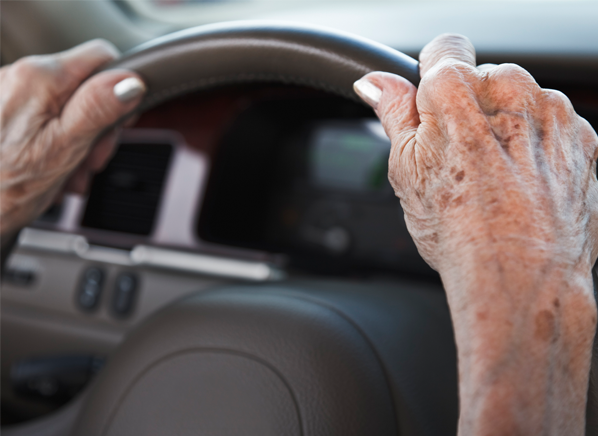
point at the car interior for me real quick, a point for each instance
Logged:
(242, 265)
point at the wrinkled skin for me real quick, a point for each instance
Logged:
(51, 116)
(497, 178)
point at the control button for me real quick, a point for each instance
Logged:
(125, 290)
(91, 288)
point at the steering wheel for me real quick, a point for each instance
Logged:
(255, 51)
(291, 358)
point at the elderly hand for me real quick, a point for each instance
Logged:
(50, 117)
(497, 178)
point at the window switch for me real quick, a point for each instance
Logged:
(90, 289)
(125, 291)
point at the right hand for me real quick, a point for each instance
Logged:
(51, 115)
(486, 157)
(497, 178)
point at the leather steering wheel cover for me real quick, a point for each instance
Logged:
(260, 51)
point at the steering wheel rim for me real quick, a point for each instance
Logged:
(260, 51)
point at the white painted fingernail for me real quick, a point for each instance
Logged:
(128, 89)
(368, 92)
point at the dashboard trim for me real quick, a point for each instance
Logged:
(147, 256)
(203, 264)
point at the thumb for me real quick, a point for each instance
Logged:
(100, 102)
(394, 100)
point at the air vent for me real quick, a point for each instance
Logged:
(125, 196)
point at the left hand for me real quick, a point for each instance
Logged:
(51, 116)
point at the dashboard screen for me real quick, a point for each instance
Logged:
(349, 156)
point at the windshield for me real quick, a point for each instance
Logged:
(493, 25)
(185, 13)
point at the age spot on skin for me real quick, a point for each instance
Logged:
(444, 200)
(540, 134)
(503, 142)
(544, 325)
(459, 176)
(556, 303)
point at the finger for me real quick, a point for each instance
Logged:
(50, 80)
(100, 102)
(509, 87)
(484, 68)
(70, 68)
(446, 47)
(78, 182)
(394, 100)
(102, 151)
(81, 61)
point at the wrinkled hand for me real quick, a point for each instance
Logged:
(488, 156)
(51, 116)
(497, 179)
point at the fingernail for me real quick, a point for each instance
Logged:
(368, 92)
(129, 89)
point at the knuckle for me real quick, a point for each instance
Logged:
(556, 107)
(558, 101)
(556, 97)
(105, 46)
(39, 77)
(27, 68)
(451, 69)
(587, 130)
(513, 76)
(35, 65)
(511, 87)
(36, 71)
(448, 85)
(79, 61)
(589, 138)
(513, 71)
(449, 72)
